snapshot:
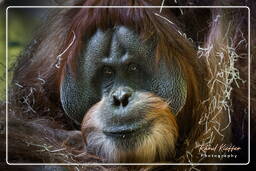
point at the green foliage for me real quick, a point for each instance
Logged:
(20, 28)
(2, 57)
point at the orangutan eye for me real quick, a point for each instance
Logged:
(132, 67)
(107, 71)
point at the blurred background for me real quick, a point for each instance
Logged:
(22, 25)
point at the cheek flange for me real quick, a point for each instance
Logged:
(75, 99)
(69, 99)
(171, 85)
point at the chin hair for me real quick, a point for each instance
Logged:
(156, 144)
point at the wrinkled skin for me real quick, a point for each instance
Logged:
(116, 59)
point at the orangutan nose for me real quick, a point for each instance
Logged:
(121, 96)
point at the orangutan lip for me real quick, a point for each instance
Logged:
(125, 130)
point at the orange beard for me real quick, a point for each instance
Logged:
(157, 145)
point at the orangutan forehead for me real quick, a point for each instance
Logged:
(114, 42)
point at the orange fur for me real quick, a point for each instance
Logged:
(158, 146)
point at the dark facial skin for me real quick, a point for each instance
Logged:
(115, 64)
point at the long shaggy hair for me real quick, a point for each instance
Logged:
(210, 64)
